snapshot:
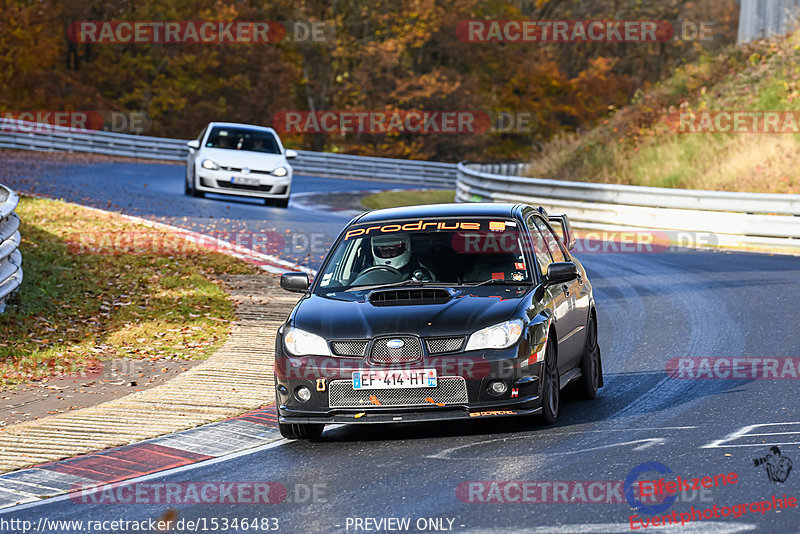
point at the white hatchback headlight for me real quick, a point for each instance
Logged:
(208, 164)
(280, 171)
(499, 336)
(302, 343)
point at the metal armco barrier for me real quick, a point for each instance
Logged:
(734, 218)
(10, 258)
(43, 137)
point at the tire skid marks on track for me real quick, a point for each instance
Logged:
(711, 331)
(446, 454)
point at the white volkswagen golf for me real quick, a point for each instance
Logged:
(239, 159)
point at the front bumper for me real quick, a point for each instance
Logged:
(333, 399)
(268, 186)
(416, 414)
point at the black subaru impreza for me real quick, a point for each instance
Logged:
(438, 312)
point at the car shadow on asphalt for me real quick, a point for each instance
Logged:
(624, 395)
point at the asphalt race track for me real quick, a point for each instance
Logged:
(652, 308)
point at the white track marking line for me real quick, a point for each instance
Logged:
(745, 432)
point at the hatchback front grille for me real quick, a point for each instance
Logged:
(349, 348)
(444, 344)
(410, 350)
(450, 390)
(231, 185)
(409, 297)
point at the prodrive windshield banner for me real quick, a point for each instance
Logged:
(489, 236)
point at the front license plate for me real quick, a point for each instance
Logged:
(403, 379)
(244, 181)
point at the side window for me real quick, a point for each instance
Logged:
(540, 248)
(552, 240)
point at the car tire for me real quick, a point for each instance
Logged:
(551, 386)
(277, 202)
(301, 431)
(191, 189)
(591, 369)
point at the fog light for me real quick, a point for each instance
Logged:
(303, 394)
(497, 387)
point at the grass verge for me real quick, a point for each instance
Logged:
(81, 304)
(395, 199)
(640, 144)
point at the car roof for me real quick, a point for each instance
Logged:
(467, 209)
(241, 125)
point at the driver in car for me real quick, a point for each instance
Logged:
(394, 251)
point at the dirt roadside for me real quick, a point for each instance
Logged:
(235, 379)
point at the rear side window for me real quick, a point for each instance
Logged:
(552, 240)
(540, 248)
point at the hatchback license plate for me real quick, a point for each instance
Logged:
(244, 181)
(403, 379)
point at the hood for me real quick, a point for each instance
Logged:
(257, 161)
(352, 316)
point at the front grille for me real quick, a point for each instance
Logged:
(451, 390)
(237, 169)
(409, 297)
(444, 344)
(349, 348)
(229, 185)
(411, 350)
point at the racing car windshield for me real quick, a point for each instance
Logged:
(243, 139)
(436, 251)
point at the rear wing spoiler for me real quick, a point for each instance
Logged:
(561, 222)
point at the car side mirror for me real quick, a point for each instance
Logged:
(295, 282)
(194, 143)
(291, 154)
(561, 273)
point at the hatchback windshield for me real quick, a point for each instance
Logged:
(243, 139)
(432, 250)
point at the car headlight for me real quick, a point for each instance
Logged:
(302, 343)
(499, 336)
(208, 164)
(280, 171)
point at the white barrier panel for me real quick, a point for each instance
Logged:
(44, 137)
(735, 218)
(10, 257)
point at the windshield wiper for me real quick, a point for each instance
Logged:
(409, 282)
